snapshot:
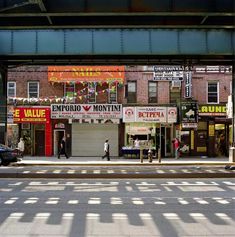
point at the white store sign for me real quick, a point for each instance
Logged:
(86, 111)
(150, 114)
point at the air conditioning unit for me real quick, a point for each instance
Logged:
(175, 84)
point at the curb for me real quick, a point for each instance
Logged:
(121, 164)
(118, 175)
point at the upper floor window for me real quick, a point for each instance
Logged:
(131, 92)
(152, 91)
(213, 92)
(11, 89)
(91, 92)
(33, 89)
(113, 92)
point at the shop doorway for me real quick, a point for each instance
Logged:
(58, 135)
(39, 142)
(165, 141)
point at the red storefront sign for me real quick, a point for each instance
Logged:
(31, 115)
(36, 115)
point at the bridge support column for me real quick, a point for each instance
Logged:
(232, 148)
(3, 105)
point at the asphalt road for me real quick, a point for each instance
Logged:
(115, 208)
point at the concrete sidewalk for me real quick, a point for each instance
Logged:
(120, 161)
(118, 167)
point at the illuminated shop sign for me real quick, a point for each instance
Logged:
(212, 110)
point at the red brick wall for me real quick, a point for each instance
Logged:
(199, 86)
(142, 78)
(22, 75)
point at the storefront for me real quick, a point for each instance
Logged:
(91, 125)
(213, 130)
(152, 126)
(35, 128)
(189, 129)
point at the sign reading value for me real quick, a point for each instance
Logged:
(31, 115)
(85, 111)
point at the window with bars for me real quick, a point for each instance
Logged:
(69, 89)
(11, 89)
(33, 89)
(152, 92)
(91, 93)
(131, 92)
(113, 92)
(212, 92)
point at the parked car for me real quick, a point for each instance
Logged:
(7, 155)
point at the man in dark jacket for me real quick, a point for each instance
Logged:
(62, 148)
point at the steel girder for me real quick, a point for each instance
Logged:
(117, 42)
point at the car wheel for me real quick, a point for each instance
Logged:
(3, 162)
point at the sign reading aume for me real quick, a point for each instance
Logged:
(212, 110)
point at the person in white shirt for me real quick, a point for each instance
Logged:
(137, 143)
(21, 147)
(106, 150)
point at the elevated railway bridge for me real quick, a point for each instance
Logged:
(122, 32)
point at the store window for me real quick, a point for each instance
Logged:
(213, 92)
(113, 92)
(152, 92)
(11, 89)
(131, 92)
(33, 89)
(91, 92)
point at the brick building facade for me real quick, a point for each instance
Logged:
(142, 89)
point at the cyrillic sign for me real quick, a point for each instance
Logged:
(150, 114)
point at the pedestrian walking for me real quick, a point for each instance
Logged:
(62, 148)
(20, 147)
(176, 144)
(106, 150)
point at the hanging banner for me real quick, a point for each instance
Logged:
(86, 73)
(188, 85)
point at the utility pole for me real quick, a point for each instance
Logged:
(232, 148)
(3, 104)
